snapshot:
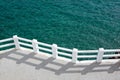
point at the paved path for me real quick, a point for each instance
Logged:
(26, 65)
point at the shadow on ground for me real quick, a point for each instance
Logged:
(58, 67)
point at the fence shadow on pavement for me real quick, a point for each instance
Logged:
(57, 66)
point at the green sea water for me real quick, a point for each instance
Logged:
(82, 24)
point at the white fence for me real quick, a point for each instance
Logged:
(56, 50)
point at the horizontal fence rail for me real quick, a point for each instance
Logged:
(89, 56)
(24, 39)
(65, 49)
(88, 51)
(45, 49)
(5, 40)
(44, 44)
(73, 54)
(6, 43)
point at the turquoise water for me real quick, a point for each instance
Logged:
(83, 24)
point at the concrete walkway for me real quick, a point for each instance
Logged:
(26, 65)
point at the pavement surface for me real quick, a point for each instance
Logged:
(26, 65)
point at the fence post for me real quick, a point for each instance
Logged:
(100, 54)
(35, 46)
(16, 42)
(54, 51)
(74, 55)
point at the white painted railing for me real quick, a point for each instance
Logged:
(6, 44)
(56, 51)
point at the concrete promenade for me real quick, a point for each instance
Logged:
(26, 65)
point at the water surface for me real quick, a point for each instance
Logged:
(83, 24)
